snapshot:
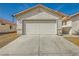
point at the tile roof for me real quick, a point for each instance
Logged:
(70, 17)
(6, 22)
(77, 14)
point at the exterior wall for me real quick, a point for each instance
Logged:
(38, 11)
(43, 16)
(37, 15)
(6, 28)
(13, 28)
(75, 25)
(59, 27)
(19, 27)
(68, 24)
(66, 27)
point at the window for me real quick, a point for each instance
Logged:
(10, 27)
(2, 24)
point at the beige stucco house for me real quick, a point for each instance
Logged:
(71, 25)
(40, 20)
(6, 26)
(73, 21)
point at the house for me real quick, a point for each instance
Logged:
(71, 25)
(74, 24)
(39, 20)
(6, 26)
(66, 25)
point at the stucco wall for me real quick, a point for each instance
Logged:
(35, 12)
(69, 23)
(75, 25)
(66, 27)
(6, 28)
(37, 15)
(19, 27)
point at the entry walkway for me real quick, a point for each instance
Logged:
(40, 45)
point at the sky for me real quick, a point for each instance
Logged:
(8, 9)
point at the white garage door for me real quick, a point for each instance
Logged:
(41, 28)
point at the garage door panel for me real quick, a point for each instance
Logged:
(32, 28)
(47, 28)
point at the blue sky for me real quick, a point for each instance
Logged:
(7, 9)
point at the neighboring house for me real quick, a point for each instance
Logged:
(6, 26)
(39, 20)
(75, 24)
(71, 25)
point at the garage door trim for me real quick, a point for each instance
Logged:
(35, 21)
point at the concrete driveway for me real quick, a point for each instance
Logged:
(40, 45)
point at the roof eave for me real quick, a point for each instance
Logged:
(40, 5)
